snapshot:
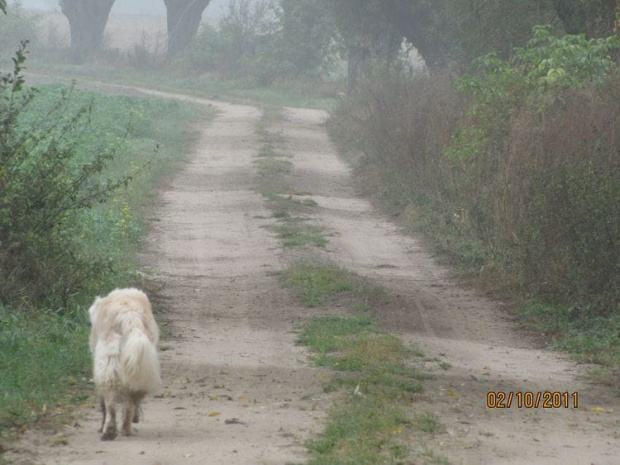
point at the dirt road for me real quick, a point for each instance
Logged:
(237, 388)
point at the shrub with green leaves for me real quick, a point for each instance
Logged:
(538, 73)
(541, 143)
(43, 188)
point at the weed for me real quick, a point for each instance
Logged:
(427, 422)
(317, 283)
(296, 233)
(591, 338)
(273, 168)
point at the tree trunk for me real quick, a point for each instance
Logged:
(87, 21)
(183, 21)
(357, 64)
(416, 21)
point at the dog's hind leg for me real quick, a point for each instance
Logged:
(136, 398)
(109, 425)
(103, 413)
(128, 416)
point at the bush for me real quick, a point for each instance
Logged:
(44, 186)
(263, 43)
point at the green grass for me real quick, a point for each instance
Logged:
(363, 431)
(317, 283)
(373, 360)
(44, 364)
(427, 422)
(325, 334)
(374, 371)
(590, 338)
(44, 359)
(275, 167)
(208, 86)
(295, 232)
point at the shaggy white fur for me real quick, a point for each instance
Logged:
(123, 342)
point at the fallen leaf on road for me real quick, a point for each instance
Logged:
(600, 410)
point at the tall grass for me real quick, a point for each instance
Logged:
(44, 362)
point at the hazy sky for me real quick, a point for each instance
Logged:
(128, 7)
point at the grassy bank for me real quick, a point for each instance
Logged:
(44, 359)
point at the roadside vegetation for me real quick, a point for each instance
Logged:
(512, 173)
(77, 171)
(374, 374)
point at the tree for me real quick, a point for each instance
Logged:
(595, 18)
(87, 21)
(368, 35)
(183, 20)
(454, 32)
(3, 6)
(306, 35)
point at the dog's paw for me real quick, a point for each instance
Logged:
(130, 431)
(109, 435)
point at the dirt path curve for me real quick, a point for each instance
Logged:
(238, 390)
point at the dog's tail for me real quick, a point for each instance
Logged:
(139, 362)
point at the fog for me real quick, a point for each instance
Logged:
(132, 7)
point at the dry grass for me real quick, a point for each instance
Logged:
(532, 197)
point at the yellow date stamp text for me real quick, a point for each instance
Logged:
(530, 399)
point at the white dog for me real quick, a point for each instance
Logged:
(123, 342)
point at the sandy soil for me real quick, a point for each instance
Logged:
(237, 388)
